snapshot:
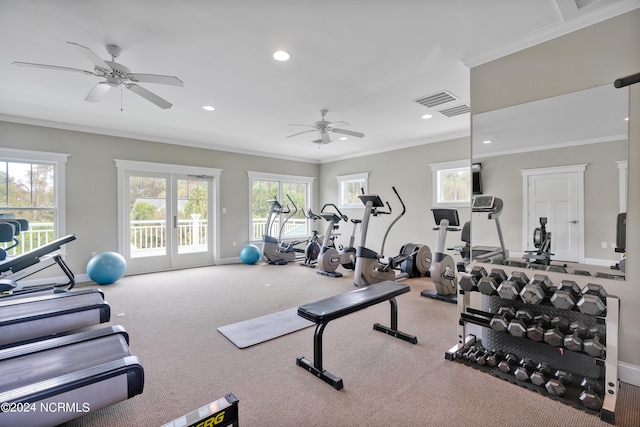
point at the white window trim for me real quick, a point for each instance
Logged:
(275, 177)
(351, 177)
(59, 161)
(132, 165)
(436, 168)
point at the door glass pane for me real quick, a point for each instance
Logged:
(147, 218)
(192, 231)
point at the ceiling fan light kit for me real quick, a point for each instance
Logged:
(323, 127)
(115, 74)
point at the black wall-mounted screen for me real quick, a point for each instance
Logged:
(476, 182)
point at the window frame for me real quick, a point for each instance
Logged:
(437, 169)
(344, 179)
(279, 178)
(58, 161)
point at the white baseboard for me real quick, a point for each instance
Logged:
(232, 260)
(629, 374)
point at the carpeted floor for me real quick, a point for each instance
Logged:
(172, 319)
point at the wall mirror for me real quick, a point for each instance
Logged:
(559, 166)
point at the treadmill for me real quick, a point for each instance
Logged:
(35, 315)
(59, 379)
(492, 206)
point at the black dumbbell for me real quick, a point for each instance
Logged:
(500, 321)
(508, 363)
(541, 323)
(593, 300)
(566, 295)
(541, 374)
(494, 358)
(557, 386)
(555, 335)
(518, 326)
(590, 397)
(470, 281)
(594, 346)
(523, 372)
(577, 332)
(459, 354)
(535, 291)
(510, 288)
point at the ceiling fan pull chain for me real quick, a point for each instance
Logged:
(121, 96)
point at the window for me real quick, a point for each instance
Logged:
(350, 187)
(452, 183)
(292, 192)
(31, 188)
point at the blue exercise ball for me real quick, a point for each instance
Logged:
(106, 267)
(250, 254)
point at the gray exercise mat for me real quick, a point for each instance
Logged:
(264, 328)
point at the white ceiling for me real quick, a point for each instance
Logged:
(365, 61)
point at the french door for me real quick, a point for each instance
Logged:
(168, 218)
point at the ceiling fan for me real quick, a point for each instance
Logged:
(114, 74)
(324, 127)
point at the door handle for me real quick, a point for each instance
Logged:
(573, 221)
(175, 221)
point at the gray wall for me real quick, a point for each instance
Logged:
(91, 210)
(501, 177)
(593, 56)
(409, 171)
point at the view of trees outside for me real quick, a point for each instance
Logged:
(351, 191)
(27, 192)
(263, 190)
(455, 185)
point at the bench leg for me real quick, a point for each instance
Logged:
(315, 367)
(393, 330)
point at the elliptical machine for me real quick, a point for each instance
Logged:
(443, 268)
(312, 250)
(330, 258)
(274, 251)
(369, 267)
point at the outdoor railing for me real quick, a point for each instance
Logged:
(38, 234)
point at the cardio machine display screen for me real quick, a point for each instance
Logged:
(483, 202)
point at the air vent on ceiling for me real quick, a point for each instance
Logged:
(436, 99)
(582, 3)
(456, 111)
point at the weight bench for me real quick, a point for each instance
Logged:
(323, 311)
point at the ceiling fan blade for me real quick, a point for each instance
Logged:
(347, 132)
(325, 137)
(149, 96)
(53, 67)
(300, 133)
(98, 92)
(295, 124)
(333, 124)
(156, 78)
(91, 55)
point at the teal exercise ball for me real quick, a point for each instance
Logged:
(106, 267)
(250, 254)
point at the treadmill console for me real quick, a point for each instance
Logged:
(483, 204)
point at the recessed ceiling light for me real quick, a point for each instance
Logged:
(343, 138)
(486, 142)
(208, 108)
(427, 116)
(281, 55)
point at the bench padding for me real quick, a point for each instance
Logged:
(331, 308)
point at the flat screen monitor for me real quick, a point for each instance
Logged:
(482, 203)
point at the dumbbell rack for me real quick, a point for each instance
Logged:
(579, 364)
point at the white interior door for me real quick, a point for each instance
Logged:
(557, 195)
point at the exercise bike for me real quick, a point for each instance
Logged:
(370, 268)
(274, 250)
(330, 257)
(443, 268)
